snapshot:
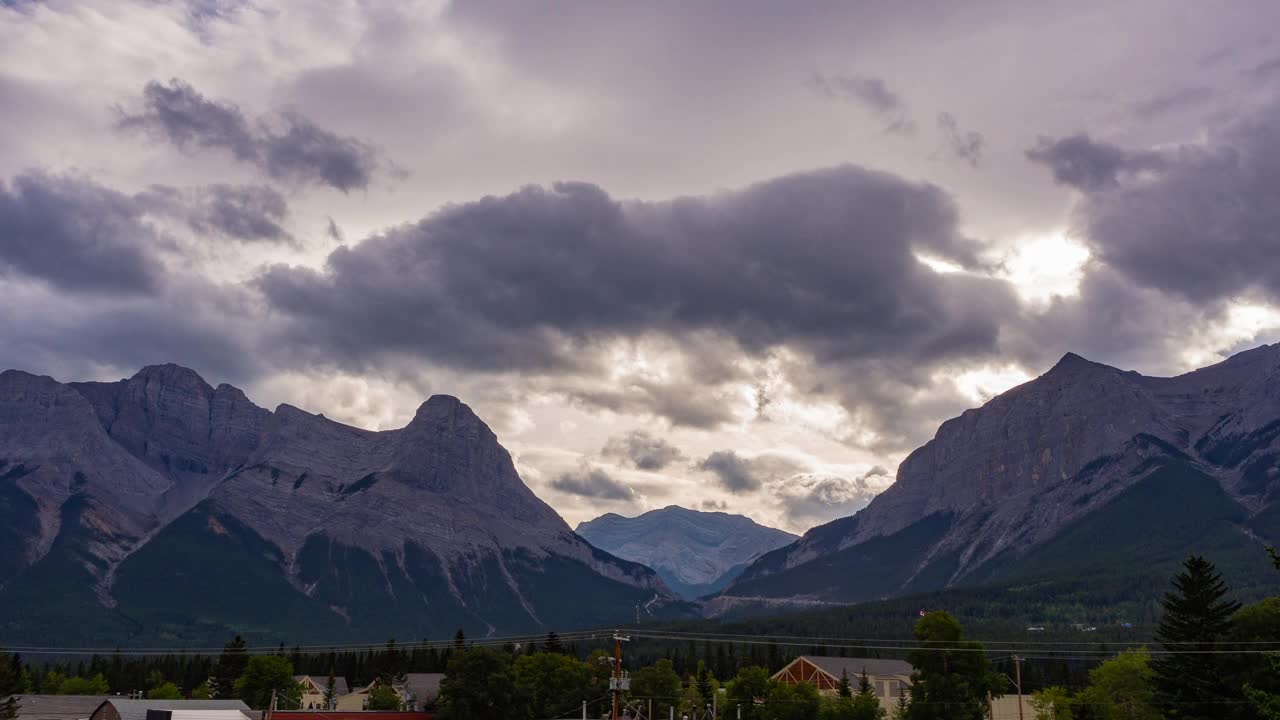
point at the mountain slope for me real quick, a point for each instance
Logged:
(696, 553)
(1027, 486)
(161, 507)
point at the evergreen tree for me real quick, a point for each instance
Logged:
(1275, 556)
(479, 685)
(9, 708)
(331, 691)
(553, 644)
(1190, 683)
(230, 667)
(865, 705)
(900, 710)
(844, 689)
(460, 640)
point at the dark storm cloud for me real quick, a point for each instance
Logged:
(1201, 225)
(1264, 70)
(642, 450)
(1087, 165)
(964, 144)
(735, 473)
(1173, 101)
(247, 213)
(822, 259)
(76, 235)
(592, 483)
(296, 150)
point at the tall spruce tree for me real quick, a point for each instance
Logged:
(1189, 681)
(331, 691)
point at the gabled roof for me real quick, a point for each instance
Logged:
(137, 709)
(321, 682)
(424, 687)
(58, 707)
(874, 667)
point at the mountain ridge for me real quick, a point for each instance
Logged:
(999, 481)
(100, 483)
(695, 552)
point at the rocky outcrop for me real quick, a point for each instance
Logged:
(422, 530)
(999, 481)
(696, 553)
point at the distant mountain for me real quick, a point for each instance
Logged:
(161, 508)
(1087, 482)
(696, 553)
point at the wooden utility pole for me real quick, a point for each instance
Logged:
(1017, 672)
(618, 685)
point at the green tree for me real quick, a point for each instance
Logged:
(866, 706)
(658, 682)
(1051, 703)
(748, 688)
(229, 668)
(793, 702)
(203, 691)
(900, 709)
(478, 685)
(9, 708)
(1190, 683)
(331, 690)
(96, 685)
(844, 689)
(1122, 688)
(1259, 675)
(553, 644)
(164, 691)
(953, 676)
(266, 676)
(384, 697)
(692, 701)
(549, 684)
(1275, 556)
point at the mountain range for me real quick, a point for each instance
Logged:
(695, 553)
(1086, 484)
(162, 508)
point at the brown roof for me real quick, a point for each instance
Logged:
(874, 667)
(58, 707)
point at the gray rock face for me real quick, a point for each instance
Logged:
(1014, 473)
(694, 552)
(122, 470)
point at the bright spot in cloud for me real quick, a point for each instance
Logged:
(1043, 267)
(938, 265)
(982, 384)
(1244, 322)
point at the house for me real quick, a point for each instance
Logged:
(314, 688)
(418, 692)
(889, 678)
(118, 708)
(58, 707)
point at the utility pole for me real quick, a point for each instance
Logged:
(619, 683)
(1017, 671)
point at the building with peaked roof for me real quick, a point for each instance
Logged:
(418, 692)
(314, 688)
(888, 678)
(117, 708)
(58, 707)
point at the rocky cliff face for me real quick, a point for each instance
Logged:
(161, 506)
(696, 553)
(1000, 483)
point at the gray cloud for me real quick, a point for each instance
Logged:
(1086, 164)
(734, 473)
(76, 235)
(1173, 101)
(871, 92)
(642, 450)
(1265, 69)
(592, 483)
(1202, 224)
(824, 259)
(966, 145)
(246, 213)
(298, 150)
(811, 499)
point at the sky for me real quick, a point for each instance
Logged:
(739, 256)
